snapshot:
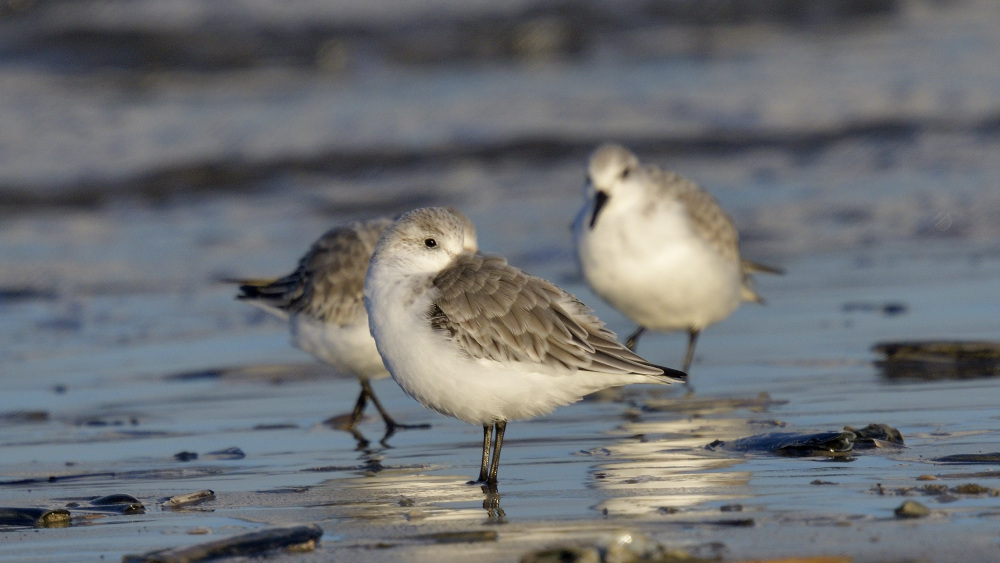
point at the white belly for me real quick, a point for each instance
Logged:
(484, 392)
(660, 274)
(348, 348)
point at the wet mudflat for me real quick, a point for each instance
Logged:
(118, 421)
(858, 156)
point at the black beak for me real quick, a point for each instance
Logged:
(600, 198)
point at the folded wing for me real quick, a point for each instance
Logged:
(495, 311)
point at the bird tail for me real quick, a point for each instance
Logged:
(748, 291)
(274, 296)
(258, 288)
(670, 376)
(751, 267)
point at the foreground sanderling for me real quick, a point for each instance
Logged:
(324, 304)
(472, 337)
(659, 248)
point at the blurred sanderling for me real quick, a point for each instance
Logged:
(659, 248)
(472, 337)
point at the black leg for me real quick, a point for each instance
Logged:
(634, 338)
(362, 441)
(359, 408)
(501, 427)
(692, 339)
(390, 425)
(352, 424)
(487, 431)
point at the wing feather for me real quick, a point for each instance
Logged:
(497, 312)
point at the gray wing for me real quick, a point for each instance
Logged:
(495, 311)
(328, 283)
(708, 219)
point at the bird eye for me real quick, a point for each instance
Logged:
(430, 243)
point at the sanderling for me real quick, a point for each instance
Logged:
(324, 303)
(472, 337)
(659, 248)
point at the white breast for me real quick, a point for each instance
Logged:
(651, 265)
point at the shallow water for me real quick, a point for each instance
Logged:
(858, 155)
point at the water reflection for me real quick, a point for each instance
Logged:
(363, 444)
(934, 360)
(661, 466)
(422, 498)
(399, 493)
(491, 503)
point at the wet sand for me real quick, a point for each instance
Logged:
(115, 420)
(127, 368)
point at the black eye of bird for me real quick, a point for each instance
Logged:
(430, 243)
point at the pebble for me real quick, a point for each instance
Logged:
(912, 509)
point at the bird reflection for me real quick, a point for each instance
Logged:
(491, 504)
(667, 461)
(362, 444)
